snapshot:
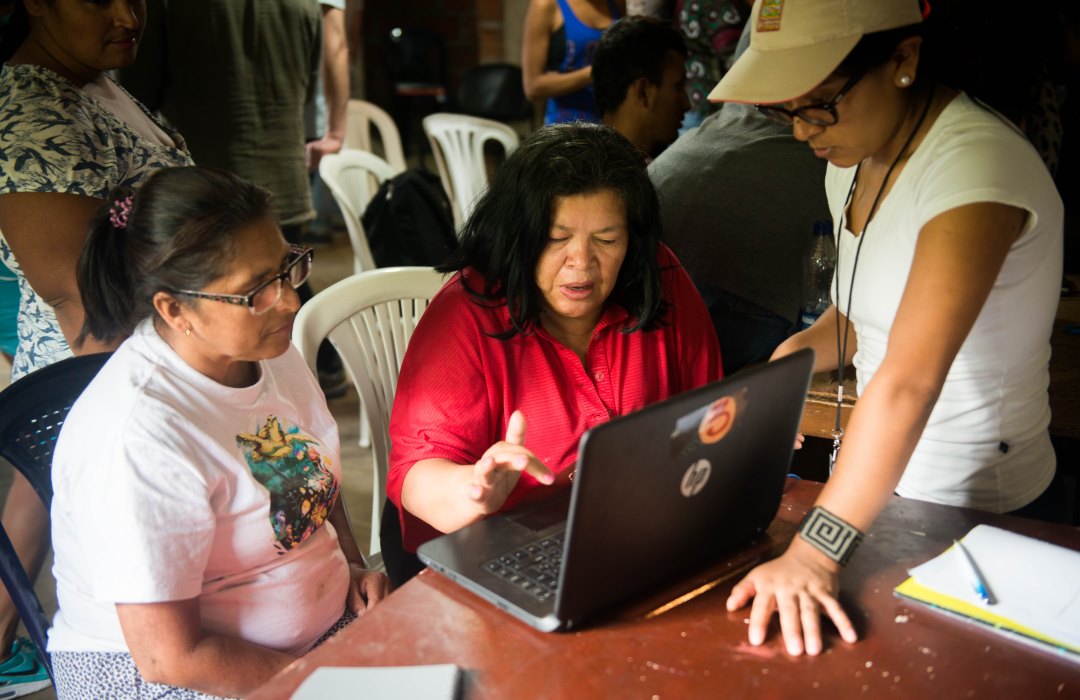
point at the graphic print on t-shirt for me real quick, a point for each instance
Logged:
(302, 489)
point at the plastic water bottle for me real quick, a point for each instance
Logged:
(818, 268)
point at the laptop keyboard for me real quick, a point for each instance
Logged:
(533, 568)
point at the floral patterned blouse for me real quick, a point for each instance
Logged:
(711, 29)
(56, 138)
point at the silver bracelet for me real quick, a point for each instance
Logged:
(830, 535)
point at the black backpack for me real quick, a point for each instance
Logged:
(409, 221)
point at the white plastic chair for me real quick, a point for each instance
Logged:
(362, 117)
(457, 140)
(369, 317)
(353, 177)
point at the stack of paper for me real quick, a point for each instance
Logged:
(438, 682)
(1035, 587)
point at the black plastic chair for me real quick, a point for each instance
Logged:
(494, 91)
(31, 412)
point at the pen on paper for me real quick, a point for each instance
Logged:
(974, 577)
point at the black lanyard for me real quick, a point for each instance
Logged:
(841, 346)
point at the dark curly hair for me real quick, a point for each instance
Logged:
(510, 225)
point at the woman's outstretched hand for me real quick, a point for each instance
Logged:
(497, 472)
(799, 585)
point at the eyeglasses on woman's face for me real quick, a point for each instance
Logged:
(818, 114)
(268, 293)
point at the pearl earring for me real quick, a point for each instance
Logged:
(905, 80)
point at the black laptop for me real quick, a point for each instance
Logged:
(656, 494)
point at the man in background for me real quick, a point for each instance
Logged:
(640, 82)
(237, 95)
(739, 197)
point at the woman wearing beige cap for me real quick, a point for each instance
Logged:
(949, 246)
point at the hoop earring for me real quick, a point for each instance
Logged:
(904, 80)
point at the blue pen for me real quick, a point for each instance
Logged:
(974, 577)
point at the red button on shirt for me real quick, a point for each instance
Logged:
(458, 385)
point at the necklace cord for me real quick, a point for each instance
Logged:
(841, 349)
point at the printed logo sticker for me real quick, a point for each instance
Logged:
(717, 421)
(769, 15)
(707, 425)
(695, 478)
(302, 487)
(696, 431)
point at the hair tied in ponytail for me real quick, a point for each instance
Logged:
(119, 212)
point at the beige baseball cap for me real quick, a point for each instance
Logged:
(796, 44)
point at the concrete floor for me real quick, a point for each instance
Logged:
(333, 262)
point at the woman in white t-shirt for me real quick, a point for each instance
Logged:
(68, 135)
(949, 259)
(200, 540)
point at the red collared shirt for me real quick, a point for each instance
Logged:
(458, 385)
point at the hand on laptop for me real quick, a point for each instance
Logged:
(496, 473)
(799, 585)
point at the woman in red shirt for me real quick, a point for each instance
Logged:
(566, 311)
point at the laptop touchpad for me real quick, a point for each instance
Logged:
(545, 514)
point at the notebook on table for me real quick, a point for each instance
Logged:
(436, 682)
(1034, 588)
(656, 494)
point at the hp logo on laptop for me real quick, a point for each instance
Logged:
(695, 478)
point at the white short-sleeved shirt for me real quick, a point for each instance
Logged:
(986, 444)
(169, 486)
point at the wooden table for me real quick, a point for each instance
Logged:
(1065, 371)
(819, 413)
(699, 650)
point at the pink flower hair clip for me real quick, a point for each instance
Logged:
(119, 212)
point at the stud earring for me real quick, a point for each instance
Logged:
(187, 332)
(905, 80)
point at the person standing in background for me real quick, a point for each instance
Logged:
(639, 82)
(556, 54)
(239, 95)
(711, 29)
(739, 197)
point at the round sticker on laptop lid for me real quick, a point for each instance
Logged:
(718, 420)
(695, 478)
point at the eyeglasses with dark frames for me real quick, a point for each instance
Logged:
(818, 114)
(266, 295)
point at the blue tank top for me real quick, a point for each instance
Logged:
(580, 40)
